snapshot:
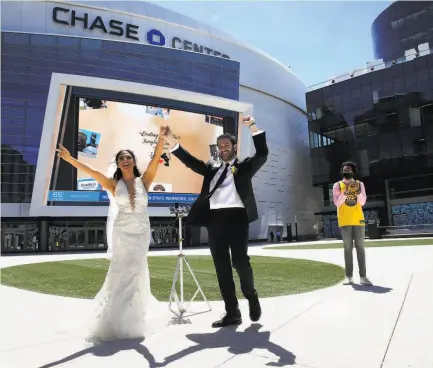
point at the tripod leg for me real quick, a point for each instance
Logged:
(173, 293)
(199, 289)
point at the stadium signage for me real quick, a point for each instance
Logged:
(72, 18)
(101, 196)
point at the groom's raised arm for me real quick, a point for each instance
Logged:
(187, 159)
(255, 162)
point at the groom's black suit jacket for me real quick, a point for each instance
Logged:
(245, 170)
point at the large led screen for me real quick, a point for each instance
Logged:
(105, 127)
(95, 117)
(115, 125)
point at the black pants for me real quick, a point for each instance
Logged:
(228, 230)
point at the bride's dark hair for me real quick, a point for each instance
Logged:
(118, 174)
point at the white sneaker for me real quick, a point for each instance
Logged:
(348, 281)
(365, 281)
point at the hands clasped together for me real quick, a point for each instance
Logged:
(166, 134)
(353, 187)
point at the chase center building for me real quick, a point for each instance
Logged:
(84, 73)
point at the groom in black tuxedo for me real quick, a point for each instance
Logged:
(226, 206)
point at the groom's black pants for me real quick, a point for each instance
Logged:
(228, 230)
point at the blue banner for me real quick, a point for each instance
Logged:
(90, 196)
(171, 198)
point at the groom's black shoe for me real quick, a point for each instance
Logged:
(255, 309)
(228, 320)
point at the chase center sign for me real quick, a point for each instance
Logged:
(114, 27)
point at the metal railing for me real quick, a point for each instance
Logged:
(407, 230)
(370, 69)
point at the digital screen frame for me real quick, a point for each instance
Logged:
(57, 128)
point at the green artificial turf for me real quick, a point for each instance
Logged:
(368, 244)
(83, 278)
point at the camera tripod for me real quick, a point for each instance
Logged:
(183, 307)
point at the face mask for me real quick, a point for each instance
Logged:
(347, 175)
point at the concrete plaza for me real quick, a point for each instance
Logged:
(389, 325)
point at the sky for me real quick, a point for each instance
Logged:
(318, 39)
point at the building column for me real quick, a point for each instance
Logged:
(387, 203)
(326, 199)
(43, 236)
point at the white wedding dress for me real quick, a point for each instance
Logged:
(125, 302)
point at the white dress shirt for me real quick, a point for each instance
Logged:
(226, 196)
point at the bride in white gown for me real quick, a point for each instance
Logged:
(125, 298)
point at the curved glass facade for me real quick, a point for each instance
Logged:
(402, 26)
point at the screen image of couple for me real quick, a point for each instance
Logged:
(118, 125)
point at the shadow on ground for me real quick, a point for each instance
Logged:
(372, 289)
(235, 341)
(109, 349)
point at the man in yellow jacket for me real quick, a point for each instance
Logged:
(349, 198)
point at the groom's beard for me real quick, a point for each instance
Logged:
(227, 158)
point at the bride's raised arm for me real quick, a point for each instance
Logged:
(107, 183)
(152, 169)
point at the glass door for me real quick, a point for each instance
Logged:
(335, 230)
(100, 238)
(164, 236)
(91, 238)
(72, 238)
(58, 238)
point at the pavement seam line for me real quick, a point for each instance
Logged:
(396, 322)
(225, 361)
(37, 344)
(297, 316)
(261, 356)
